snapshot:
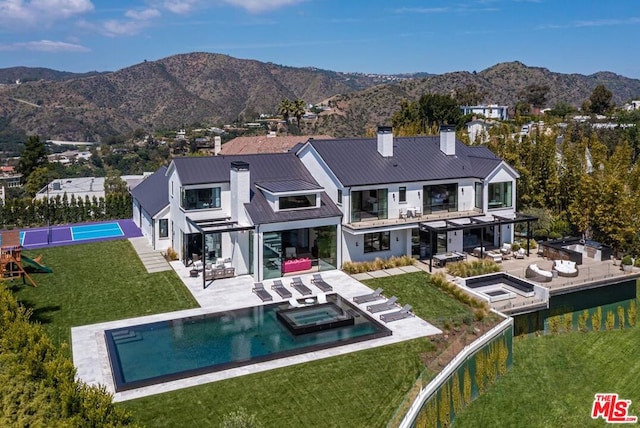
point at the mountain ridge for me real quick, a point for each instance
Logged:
(191, 88)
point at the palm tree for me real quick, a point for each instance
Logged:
(284, 109)
(298, 108)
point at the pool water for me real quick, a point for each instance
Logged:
(158, 352)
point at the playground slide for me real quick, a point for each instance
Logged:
(35, 264)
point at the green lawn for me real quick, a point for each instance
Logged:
(97, 282)
(554, 379)
(361, 389)
(428, 302)
(105, 281)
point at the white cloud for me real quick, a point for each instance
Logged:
(257, 6)
(422, 10)
(593, 23)
(116, 27)
(180, 6)
(14, 13)
(142, 15)
(44, 46)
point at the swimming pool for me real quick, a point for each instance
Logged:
(158, 352)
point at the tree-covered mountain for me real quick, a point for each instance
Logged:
(204, 88)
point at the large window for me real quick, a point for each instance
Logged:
(478, 195)
(163, 228)
(369, 205)
(297, 201)
(441, 197)
(200, 199)
(378, 241)
(500, 195)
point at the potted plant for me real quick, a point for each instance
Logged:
(627, 263)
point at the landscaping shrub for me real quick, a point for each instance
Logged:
(377, 264)
(473, 268)
(37, 380)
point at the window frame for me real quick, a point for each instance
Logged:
(165, 228)
(382, 239)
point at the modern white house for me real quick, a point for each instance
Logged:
(329, 202)
(489, 111)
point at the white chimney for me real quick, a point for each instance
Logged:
(240, 190)
(217, 145)
(385, 141)
(448, 139)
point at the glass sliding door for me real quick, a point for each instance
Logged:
(327, 247)
(272, 255)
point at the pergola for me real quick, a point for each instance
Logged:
(474, 222)
(211, 226)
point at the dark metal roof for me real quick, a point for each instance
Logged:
(356, 161)
(288, 186)
(263, 168)
(153, 192)
(260, 211)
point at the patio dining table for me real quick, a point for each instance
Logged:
(443, 258)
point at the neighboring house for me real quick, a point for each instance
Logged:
(414, 195)
(151, 208)
(263, 213)
(9, 178)
(490, 111)
(265, 144)
(478, 130)
(83, 187)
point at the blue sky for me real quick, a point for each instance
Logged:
(375, 36)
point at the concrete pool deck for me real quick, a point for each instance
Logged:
(90, 350)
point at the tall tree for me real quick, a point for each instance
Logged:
(536, 95)
(298, 108)
(600, 100)
(284, 109)
(33, 156)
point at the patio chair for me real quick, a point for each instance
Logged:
(263, 294)
(385, 306)
(294, 303)
(403, 313)
(320, 283)
(279, 288)
(300, 287)
(365, 298)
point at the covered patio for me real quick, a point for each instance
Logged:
(440, 235)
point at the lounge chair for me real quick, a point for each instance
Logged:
(300, 287)
(293, 302)
(263, 294)
(365, 298)
(278, 286)
(403, 313)
(322, 298)
(320, 283)
(386, 306)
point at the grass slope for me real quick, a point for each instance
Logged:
(554, 380)
(98, 282)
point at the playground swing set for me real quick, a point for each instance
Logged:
(12, 259)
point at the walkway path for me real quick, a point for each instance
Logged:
(152, 260)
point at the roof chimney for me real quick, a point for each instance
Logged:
(385, 141)
(448, 139)
(240, 186)
(217, 145)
